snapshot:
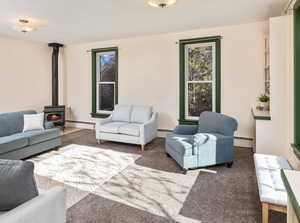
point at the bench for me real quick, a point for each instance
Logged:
(272, 192)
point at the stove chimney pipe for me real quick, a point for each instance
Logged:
(55, 54)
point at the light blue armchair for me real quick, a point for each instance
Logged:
(206, 144)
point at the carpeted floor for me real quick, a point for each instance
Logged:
(215, 194)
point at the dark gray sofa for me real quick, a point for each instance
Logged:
(14, 144)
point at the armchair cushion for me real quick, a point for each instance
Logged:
(130, 129)
(182, 144)
(141, 114)
(112, 127)
(122, 113)
(211, 122)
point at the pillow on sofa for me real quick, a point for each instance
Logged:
(33, 122)
(17, 183)
(141, 114)
(121, 113)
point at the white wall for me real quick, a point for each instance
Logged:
(25, 75)
(149, 73)
(281, 131)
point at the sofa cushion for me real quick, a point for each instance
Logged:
(122, 113)
(112, 127)
(182, 144)
(270, 184)
(130, 129)
(38, 136)
(271, 187)
(17, 183)
(11, 123)
(13, 142)
(141, 114)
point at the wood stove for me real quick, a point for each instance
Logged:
(55, 113)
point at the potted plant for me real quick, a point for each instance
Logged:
(264, 102)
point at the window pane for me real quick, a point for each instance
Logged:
(199, 98)
(106, 97)
(107, 67)
(200, 63)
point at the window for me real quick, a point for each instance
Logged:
(199, 78)
(104, 81)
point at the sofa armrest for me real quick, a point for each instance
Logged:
(48, 207)
(186, 129)
(149, 130)
(48, 125)
(102, 122)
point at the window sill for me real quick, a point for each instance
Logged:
(187, 122)
(97, 115)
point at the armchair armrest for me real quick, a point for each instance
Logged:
(186, 129)
(103, 121)
(48, 125)
(48, 207)
(149, 130)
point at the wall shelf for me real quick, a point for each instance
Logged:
(260, 115)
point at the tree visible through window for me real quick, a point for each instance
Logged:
(199, 77)
(105, 76)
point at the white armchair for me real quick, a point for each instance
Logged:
(128, 124)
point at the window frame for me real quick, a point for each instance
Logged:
(296, 143)
(95, 83)
(183, 105)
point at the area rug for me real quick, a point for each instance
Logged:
(88, 172)
(80, 169)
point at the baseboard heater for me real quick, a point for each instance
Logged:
(81, 122)
(160, 130)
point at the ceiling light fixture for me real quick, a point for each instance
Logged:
(161, 3)
(24, 26)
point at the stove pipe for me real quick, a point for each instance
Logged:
(55, 54)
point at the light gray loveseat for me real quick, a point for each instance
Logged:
(14, 144)
(48, 207)
(129, 124)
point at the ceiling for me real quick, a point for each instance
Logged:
(76, 21)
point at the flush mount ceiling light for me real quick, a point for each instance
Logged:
(161, 3)
(24, 26)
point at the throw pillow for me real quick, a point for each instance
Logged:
(141, 114)
(33, 122)
(121, 113)
(17, 183)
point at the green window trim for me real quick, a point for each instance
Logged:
(296, 145)
(291, 194)
(217, 39)
(94, 113)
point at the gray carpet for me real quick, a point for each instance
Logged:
(226, 195)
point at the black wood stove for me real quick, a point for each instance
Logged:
(55, 113)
